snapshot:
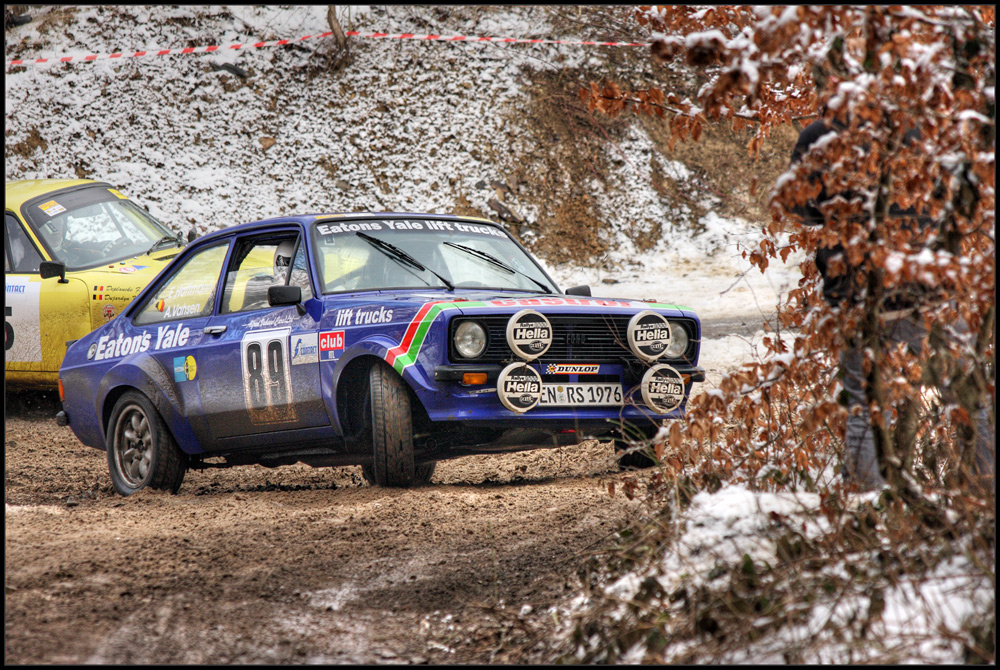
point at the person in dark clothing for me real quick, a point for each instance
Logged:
(900, 317)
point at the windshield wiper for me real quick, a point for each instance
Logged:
(493, 260)
(398, 254)
(176, 239)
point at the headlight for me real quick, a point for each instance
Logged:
(678, 341)
(470, 339)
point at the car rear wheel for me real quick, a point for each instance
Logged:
(141, 451)
(391, 429)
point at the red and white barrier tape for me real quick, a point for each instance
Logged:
(349, 33)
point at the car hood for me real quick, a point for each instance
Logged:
(544, 303)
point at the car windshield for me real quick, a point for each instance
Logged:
(421, 253)
(93, 226)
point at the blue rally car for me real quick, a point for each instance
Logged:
(389, 341)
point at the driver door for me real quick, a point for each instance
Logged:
(266, 375)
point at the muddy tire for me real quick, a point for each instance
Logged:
(391, 429)
(422, 473)
(631, 454)
(632, 460)
(141, 451)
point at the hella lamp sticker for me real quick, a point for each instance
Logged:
(529, 334)
(662, 388)
(519, 387)
(648, 335)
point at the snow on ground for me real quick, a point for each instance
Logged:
(400, 128)
(922, 622)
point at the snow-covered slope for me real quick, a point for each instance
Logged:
(400, 125)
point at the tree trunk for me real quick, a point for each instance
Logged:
(338, 32)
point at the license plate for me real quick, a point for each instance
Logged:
(577, 395)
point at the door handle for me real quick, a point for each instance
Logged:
(214, 330)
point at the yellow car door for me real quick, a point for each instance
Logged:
(40, 315)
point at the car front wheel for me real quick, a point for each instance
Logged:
(391, 430)
(141, 451)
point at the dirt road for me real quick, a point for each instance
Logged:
(293, 564)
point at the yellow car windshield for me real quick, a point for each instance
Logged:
(92, 226)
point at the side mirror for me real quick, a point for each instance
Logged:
(578, 290)
(48, 269)
(284, 295)
(192, 234)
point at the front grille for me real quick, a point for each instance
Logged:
(587, 339)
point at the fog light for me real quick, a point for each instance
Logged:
(474, 378)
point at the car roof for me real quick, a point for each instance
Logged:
(306, 219)
(20, 191)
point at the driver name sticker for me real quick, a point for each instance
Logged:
(22, 332)
(52, 208)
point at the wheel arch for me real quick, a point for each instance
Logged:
(352, 385)
(146, 376)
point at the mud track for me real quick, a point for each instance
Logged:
(293, 564)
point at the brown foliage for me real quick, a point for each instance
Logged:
(882, 72)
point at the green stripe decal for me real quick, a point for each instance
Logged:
(406, 353)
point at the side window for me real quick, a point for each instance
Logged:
(22, 256)
(259, 264)
(190, 292)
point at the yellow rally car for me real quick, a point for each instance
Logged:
(76, 251)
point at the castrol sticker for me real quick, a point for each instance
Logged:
(519, 387)
(662, 388)
(529, 334)
(648, 335)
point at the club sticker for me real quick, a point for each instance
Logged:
(648, 335)
(529, 334)
(519, 387)
(662, 388)
(331, 343)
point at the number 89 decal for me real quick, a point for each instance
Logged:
(267, 382)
